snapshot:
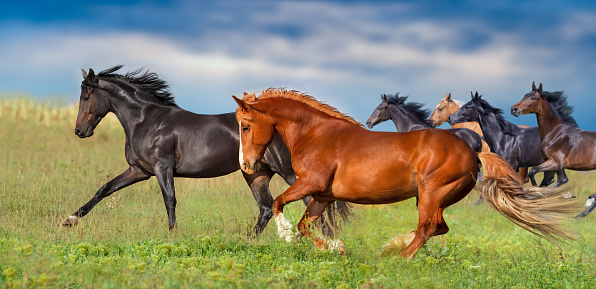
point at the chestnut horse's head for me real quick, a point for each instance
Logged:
(256, 133)
(470, 111)
(530, 103)
(380, 114)
(93, 106)
(444, 109)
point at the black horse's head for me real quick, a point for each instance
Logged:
(93, 106)
(380, 114)
(470, 111)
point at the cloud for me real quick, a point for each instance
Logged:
(346, 55)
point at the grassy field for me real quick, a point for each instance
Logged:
(46, 173)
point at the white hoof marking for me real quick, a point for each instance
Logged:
(284, 228)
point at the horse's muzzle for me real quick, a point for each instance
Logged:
(83, 134)
(515, 111)
(246, 167)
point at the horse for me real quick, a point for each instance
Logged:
(166, 141)
(563, 144)
(519, 146)
(336, 158)
(448, 106)
(410, 117)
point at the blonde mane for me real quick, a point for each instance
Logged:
(301, 97)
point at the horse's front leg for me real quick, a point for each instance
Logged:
(548, 165)
(561, 178)
(315, 208)
(300, 189)
(130, 176)
(165, 177)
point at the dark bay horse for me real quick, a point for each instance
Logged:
(564, 145)
(448, 106)
(166, 141)
(519, 146)
(336, 158)
(411, 116)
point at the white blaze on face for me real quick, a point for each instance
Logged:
(240, 155)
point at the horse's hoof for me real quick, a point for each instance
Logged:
(70, 222)
(397, 244)
(286, 235)
(337, 246)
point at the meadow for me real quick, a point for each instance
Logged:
(47, 173)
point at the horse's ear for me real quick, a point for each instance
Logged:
(477, 96)
(540, 88)
(84, 74)
(448, 96)
(91, 75)
(533, 86)
(472, 94)
(245, 94)
(384, 97)
(243, 105)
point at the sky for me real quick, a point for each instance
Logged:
(345, 53)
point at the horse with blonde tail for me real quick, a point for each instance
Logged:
(336, 158)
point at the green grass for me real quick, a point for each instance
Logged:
(46, 173)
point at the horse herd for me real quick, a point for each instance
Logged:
(330, 160)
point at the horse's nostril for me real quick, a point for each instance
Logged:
(77, 131)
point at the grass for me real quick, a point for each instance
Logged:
(46, 173)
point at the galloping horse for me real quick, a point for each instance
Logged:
(336, 158)
(519, 146)
(448, 106)
(564, 145)
(166, 141)
(410, 117)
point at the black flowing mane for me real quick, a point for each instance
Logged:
(157, 90)
(559, 103)
(506, 127)
(414, 108)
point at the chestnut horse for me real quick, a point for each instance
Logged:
(166, 141)
(336, 158)
(448, 106)
(564, 145)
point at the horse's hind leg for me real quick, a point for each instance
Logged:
(431, 203)
(259, 186)
(321, 221)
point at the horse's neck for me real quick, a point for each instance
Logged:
(404, 122)
(473, 125)
(491, 130)
(547, 119)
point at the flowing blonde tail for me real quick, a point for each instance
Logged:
(538, 210)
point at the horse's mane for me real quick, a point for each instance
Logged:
(559, 103)
(414, 108)
(506, 127)
(459, 103)
(157, 90)
(301, 97)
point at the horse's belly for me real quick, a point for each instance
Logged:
(383, 186)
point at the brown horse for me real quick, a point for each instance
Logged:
(336, 158)
(449, 106)
(564, 145)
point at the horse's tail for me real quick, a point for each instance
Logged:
(538, 210)
(338, 209)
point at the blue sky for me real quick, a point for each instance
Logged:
(346, 53)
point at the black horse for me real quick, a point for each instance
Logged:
(165, 141)
(520, 146)
(410, 117)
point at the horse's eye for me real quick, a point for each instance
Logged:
(533, 98)
(245, 129)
